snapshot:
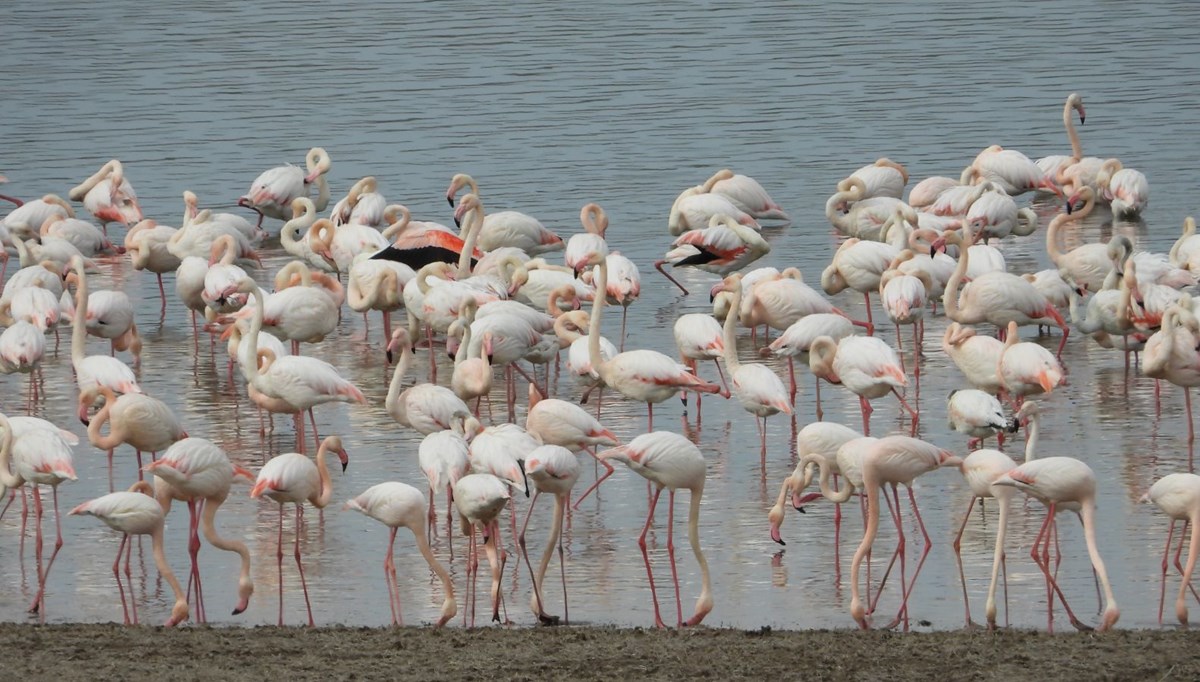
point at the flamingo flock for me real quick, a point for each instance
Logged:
(493, 295)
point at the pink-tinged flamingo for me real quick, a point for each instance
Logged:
(272, 192)
(981, 469)
(138, 420)
(35, 451)
(479, 499)
(893, 461)
(756, 387)
(1178, 496)
(506, 228)
(699, 337)
(925, 192)
(553, 469)
(108, 196)
(92, 371)
(816, 444)
(301, 382)
(293, 477)
(558, 422)
(580, 246)
(642, 375)
(796, 340)
(22, 346)
(1125, 188)
(444, 457)
(747, 194)
(1070, 484)
(976, 356)
(1014, 172)
(668, 460)
(1171, 354)
(135, 512)
(721, 248)
(198, 472)
(865, 365)
(146, 244)
(24, 221)
(884, 178)
(995, 297)
(1026, 368)
(399, 505)
(425, 408)
(695, 207)
(363, 205)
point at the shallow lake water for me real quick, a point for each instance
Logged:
(552, 105)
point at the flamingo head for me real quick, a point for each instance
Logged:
(245, 589)
(400, 339)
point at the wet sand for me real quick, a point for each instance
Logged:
(90, 652)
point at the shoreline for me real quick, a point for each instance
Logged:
(108, 651)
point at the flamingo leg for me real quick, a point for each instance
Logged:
(537, 592)
(920, 562)
(300, 568)
(37, 519)
(658, 265)
(1045, 566)
(1178, 565)
(116, 569)
(490, 548)
(279, 562)
(39, 602)
(129, 580)
(389, 575)
(671, 555)
(865, 405)
(658, 621)
(1162, 592)
(958, 557)
(609, 472)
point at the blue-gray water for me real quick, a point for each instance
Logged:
(552, 105)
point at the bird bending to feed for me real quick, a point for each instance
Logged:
(668, 460)
(135, 512)
(399, 505)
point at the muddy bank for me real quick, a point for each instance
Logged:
(90, 652)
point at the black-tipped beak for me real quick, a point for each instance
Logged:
(1069, 208)
(457, 221)
(86, 421)
(450, 200)
(237, 611)
(344, 465)
(780, 541)
(801, 509)
(1014, 425)
(389, 356)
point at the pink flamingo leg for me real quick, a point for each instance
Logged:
(658, 621)
(300, 568)
(279, 562)
(1079, 625)
(1162, 592)
(37, 543)
(903, 613)
(389, 577)
(671, 555)
(116, 569)
(39, 602)
(129, 580)
(658, 265)
(962, 576)
(609, 472)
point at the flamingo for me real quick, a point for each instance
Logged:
(721, 248)
(425, 408)
(196, 236)
(797, 339)
(108, 196)
(981, 469)
(137, 420)
(35, 451)
(1170, 354)
(1185, 252)
(363, 205)
(995, 297)
(747, 194)
(199, 472)
(1069, 483)
(1026, 368)
(668, 460)
(976, 356)
(377, 285)
(1178, 496)
(579, 246)
(699, 337)
(782, 299)
(696, 206)
(979, 415)
(642, 375)
(22, 346)
(273, 191)
(93, 372)
(253, 234)
(339, 245)
(134, 512)
(506, 228)
(1086, 265)
(995, 215)
(300, 382)
(398, 505)
(893, 460)
(554, 470)
(293, 477)
(472, 378)
(1125, 188)
(479, 499)
(146, 244)
(865, 365)
(884, 178)
(1053, 166)
(816, 443)
(925, 192)
(853, 214)
(1014, 172)
(903, 299)
(860, 265)
(88, 239)
(756, 387)
(558, 422)
(222, 278)
(24, 221)
(444, 457)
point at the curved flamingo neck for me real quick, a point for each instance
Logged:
(827, 489)
(729, 337)
(950, 295)
(79, 321)
(392, 401)
(474, 226)
(245, 583)
(326, 494)
(704, 602)
(180, 611)
(114, 438)
(598, 301)
(1076, 146)
(449, 605)
(1031, 438)
(872, 485)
